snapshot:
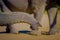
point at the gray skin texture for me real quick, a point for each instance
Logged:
(10, 18)
(51, 7)
(38, 7)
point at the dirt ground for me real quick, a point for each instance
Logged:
(22, 36)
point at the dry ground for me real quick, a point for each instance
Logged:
(21, 36)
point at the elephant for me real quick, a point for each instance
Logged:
(10, 18)
(51, 7)
(37, 7)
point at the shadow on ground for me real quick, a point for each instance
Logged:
(22, 31)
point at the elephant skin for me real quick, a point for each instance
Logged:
(12, 18)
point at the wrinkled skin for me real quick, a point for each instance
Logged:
(11, 18)
(38, 7)
(51, 7)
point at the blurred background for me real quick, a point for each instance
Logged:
(24, 26)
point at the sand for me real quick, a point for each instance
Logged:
(22, 36)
